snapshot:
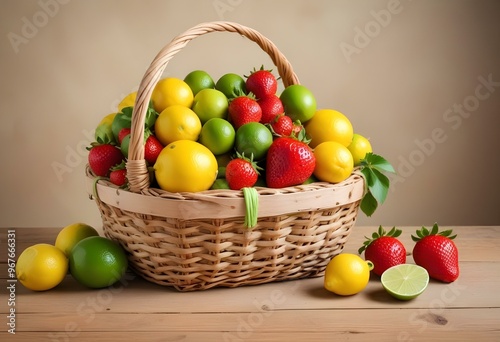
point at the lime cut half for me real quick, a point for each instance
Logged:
(405, 281)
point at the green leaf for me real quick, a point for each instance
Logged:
(378, 162)
(368, 204)
(377, 184)
(380, 185)
(434, 230)
(397, 233)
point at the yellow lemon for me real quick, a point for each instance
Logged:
(329, 125)
(185, 165)
(334, 162)
(108, 119)
(171, 91)
(70, 235)
(104, 131)
(177, 123)
(359, 147)
(128, 101)
(41, 267)
(347, 274)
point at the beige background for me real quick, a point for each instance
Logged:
(65, 64)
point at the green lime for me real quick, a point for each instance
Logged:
(97, 262)
(210, 103)
(220, 184)
(232, 85)
(299, 102)
(405, 281)
(253, 138)
(218, 136)
(198, 80)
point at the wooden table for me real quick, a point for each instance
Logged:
(135, 310)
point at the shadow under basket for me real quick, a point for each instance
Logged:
(196, 241)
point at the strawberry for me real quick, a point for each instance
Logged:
(437, 253)
(282, 125)
(241, 172)
(244, 109)
(102, 157)
(271, 107)
(123, 133)
(384, 250)
(261, 83)
(118, 175)
(289, 162)
(152, 149)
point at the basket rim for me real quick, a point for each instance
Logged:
(223, 204)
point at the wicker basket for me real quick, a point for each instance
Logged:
(196, 241)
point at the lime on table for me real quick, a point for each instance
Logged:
(97, 262)
(405, 281)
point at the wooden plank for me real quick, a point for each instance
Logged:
(258, 336)
(383, 323)
(138, 295)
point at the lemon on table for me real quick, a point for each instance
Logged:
(177, 123)
(405, 281)
(334, 162)
(359, 147)
(329, 125)
(41, 267)
(185, 165)
(97, 262)
(171, 91)
(70, 235)
(347, 274)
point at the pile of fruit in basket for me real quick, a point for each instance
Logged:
(235, 133)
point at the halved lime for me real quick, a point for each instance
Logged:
(405, 281)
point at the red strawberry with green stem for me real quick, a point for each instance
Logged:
(102, 157)
(241, 172)
(282, 125)
(244, 109)
(384, 250)
(437, 253)
(289, 162)
(261, 83)
(118, 175)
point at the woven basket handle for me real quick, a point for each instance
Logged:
(137, 172)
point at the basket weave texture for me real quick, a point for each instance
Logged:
(196, 241)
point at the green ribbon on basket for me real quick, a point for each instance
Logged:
(251, 207)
